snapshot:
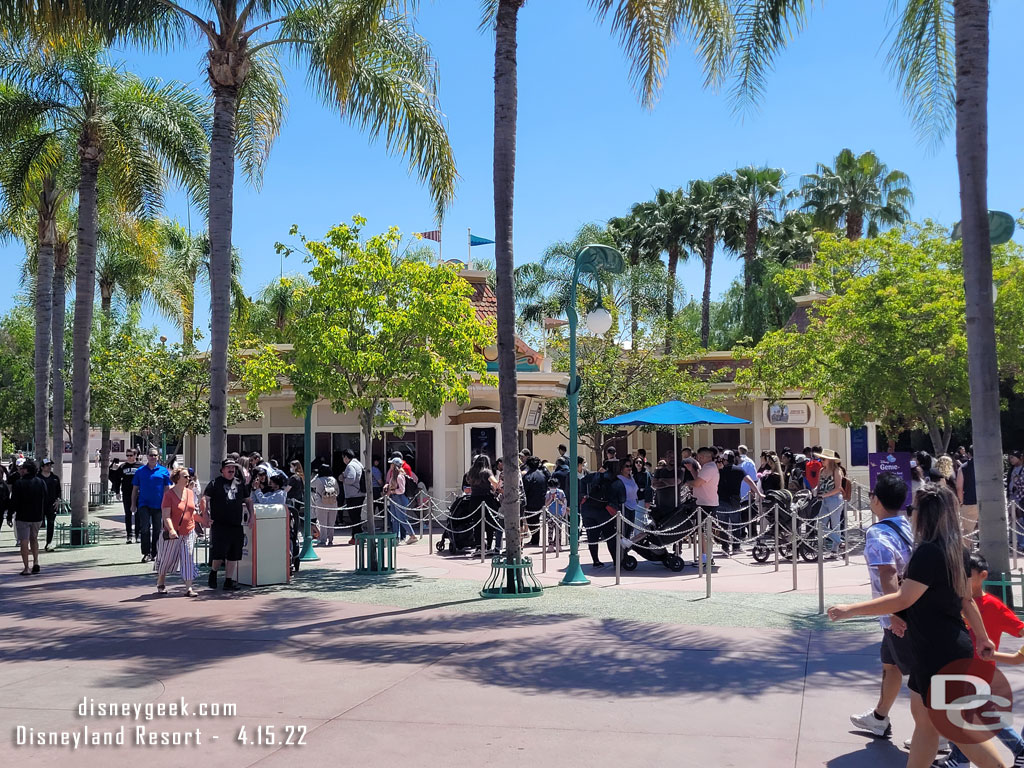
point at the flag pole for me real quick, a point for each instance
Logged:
(440, 237)
(469, 246)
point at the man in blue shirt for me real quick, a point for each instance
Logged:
(148, 486)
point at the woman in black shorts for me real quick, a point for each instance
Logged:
(931, 599)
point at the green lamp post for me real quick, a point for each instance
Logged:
(308, 553)
(590, 259)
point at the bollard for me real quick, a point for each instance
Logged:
(483, 531)
(1013, 532)
(558, 537)
(821, 568)
(793, 545)
(844, 538)
(618, 548)
(544, 541)
(422, 508)
(698, 543)
(709, 549)
(430, 532)
(776, 539)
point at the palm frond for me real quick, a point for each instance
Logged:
(763, 28)
(262, 106)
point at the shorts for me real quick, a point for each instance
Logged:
(896, 651)
(26, 531)
(226, 542)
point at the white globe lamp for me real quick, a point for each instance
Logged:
(599, 321)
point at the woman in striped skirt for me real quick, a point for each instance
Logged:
(180, 513)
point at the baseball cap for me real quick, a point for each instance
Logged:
(19, 462)
(396, 461)
(227, 462)
(47, 461)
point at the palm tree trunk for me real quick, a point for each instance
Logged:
(44, 318)
(854, 225)
(222, 179)
(972, 51)
(85, 291)
(506, 98)
(705, 304)
(749, 251)
(670, 295)
(188, 329)
(634, 300)
(106, 307)
(57, 343)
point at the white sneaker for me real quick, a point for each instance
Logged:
(943, 744)
(876, 726)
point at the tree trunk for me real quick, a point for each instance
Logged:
(188, 331)
(85, 291)
(44, 318)
(854, 225)
(670, 295)
(222, 179)
(972, 52)
(705, 305)
(57, 343)
(634, 301)
(104, 457)
(749, 251)
(505, 108)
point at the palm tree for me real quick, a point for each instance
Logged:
(755, 197)
(665, 222)
(708, 213)
(145, 129)
(858, 190)
(63, 268)
(646, 32)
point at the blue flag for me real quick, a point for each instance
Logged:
(474, 240)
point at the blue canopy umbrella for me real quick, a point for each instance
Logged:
(673, 414)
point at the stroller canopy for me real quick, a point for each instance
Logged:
(671, 414)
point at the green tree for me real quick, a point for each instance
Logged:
(755, 199)
(17, 378)
(378, 329)
(858, 190)
(147, 130)
(708, 213)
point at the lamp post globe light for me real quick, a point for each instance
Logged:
(591, 258)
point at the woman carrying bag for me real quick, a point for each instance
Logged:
(175, 548)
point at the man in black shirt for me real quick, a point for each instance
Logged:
(535, 489)
(53, 496)
(125, 474)
(28, 507)
(224, 499)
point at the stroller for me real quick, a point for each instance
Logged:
(784, 505)
(463, 532)
(676, 524)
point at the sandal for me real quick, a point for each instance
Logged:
(25, 572)
(191, 593)
(161, 589)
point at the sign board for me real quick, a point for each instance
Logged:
(787, 413)
(532, 413)
(898, 463)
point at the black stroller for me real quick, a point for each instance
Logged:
(463, 526)
(669, 528)
(784, 505)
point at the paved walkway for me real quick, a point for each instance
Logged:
(416, 669)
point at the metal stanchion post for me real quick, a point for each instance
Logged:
(710, 548)
(821, 567)
(618, 548)
(483, 531)
(544, 541)
(1014, 509)
(430, 530)
(794, 544)
(776, 539)
(844, 536)
(698, 541)
(422, 508)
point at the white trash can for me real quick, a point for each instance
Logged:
(266, 550)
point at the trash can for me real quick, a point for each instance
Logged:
(266, 550)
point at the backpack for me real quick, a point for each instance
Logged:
(330, 487)
(362, 482)
(847, 488)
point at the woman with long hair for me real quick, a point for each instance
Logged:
(830, 491)
(180, 514)
(483, 488)
(933, 599)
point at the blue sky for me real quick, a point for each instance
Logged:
(587, 150)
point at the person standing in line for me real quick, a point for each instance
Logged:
(296, 484)
(126, 476)
(114, 478)
(148, 485)
(813, 467)
(887, 547)
(934, 599)
(178, 524)
(1015, 494)
(28, 508)
(222, 503)
(353, 484)
(705, 487)
(535, 487)
(747, 464)
(601, 499)
(53, 497)
(732, 481)
(631, 503)
(557, 506)
(394, 489)
(830, 491)
(967, 493)
(323, 491)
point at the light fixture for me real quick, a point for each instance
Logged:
(599, 321)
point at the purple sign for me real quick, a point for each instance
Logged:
(897, 463)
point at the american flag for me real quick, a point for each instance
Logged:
(434, 234)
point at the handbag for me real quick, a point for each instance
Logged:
(164, 534)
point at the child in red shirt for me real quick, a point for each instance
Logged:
(998, 619)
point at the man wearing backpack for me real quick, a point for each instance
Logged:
(324, 490)
(887, 551)
(353, 483)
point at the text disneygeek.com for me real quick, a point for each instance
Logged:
(153, 734)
